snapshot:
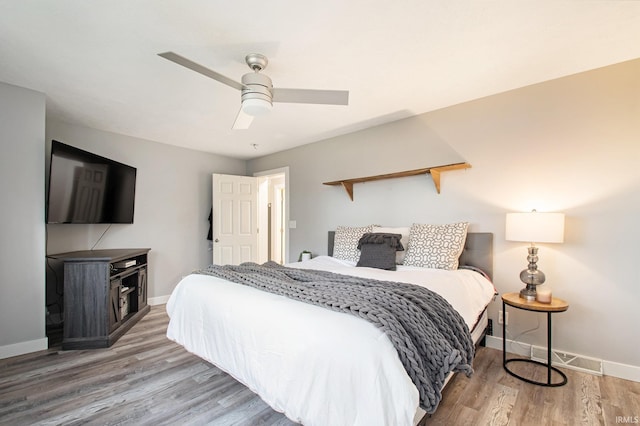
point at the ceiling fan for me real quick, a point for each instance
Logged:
(258, 93)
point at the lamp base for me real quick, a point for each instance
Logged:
(531, 276)
(528, 293)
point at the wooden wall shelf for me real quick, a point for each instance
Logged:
(347, 184)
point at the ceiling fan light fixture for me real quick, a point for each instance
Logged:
(256, 106)
(258, 93)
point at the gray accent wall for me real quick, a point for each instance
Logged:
(569, 145)
(22, 242)
(173, 199)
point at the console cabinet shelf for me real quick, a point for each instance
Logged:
(105, 294)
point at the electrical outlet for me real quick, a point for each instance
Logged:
(502, 318)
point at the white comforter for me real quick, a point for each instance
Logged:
(317, 366)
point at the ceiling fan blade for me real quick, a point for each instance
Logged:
(306, 96)
(243, 120)
(181, 60)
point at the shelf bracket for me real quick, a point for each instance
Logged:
(435, 175)
(348, 186)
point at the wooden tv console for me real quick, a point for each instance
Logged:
(105, 294)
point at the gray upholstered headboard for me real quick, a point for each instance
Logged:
(478, 250)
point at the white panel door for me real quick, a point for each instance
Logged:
(235, 219)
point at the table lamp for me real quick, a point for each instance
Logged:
(534, 228)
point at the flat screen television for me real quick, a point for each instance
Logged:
(87, 188)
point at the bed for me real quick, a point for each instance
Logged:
(316, 365)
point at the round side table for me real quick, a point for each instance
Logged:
(556, 305)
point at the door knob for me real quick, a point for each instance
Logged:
(216, 240)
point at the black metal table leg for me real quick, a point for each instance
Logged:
(550, 368)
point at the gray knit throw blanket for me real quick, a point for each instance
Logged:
(431, 338)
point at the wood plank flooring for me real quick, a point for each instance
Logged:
(144, 379)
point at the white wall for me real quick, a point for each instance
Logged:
(570, 145)
(173, 199)
(22, 267)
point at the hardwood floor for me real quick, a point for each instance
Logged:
(144, 379)
(493, 397)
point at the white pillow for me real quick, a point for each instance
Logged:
(402, 230)
(345, 243)
(436, 246)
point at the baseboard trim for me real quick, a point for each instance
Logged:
(22, 348)
(160, 300)
(609, 368)
(513, 347)
(621, 371)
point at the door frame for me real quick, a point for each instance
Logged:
(281, 171)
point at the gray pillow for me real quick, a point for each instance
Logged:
(378, 250)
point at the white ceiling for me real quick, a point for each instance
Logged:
(97, 60)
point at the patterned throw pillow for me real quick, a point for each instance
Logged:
(345, 243)
(436, 246)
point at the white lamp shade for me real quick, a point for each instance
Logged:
(535, 227)
(256, 106)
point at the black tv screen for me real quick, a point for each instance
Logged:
(88, 188)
